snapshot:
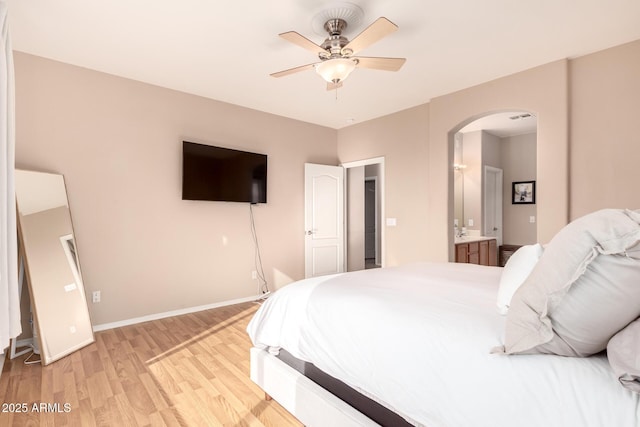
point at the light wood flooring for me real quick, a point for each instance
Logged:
(190, 370)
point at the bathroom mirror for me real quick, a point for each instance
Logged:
(50, 256)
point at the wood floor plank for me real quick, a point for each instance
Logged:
(170, 419)
(165, 383)
(190, 370)
(156, 396)
(87, 415)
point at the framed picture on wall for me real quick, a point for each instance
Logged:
(523, 193)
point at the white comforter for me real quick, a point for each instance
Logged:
(418, 338)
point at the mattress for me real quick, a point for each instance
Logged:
(418, 340)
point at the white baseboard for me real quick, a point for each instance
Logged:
(156, 316)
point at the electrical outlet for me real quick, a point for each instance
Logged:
(96, 296)
(470, 223)
(254, 275)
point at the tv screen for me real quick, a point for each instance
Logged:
(223, 174)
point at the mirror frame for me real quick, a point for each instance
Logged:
(61, 320)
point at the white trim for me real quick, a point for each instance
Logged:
(365, 162)
(156, 316)
(382, 191)
(9, 299)
(498, 203)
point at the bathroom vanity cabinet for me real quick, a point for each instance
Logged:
(477, 250)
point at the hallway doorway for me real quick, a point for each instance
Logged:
(364, 213)
(370, 222)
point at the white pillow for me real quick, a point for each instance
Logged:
(583, 290)
(515, 272)
(622, 352)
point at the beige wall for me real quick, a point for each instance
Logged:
(519, 164)
(543, 91)
(491, 153)
(516, 156)
(401, 139)
(605, 142)
(479, 149)
(118, 143)
(578, 169)
(418, 147)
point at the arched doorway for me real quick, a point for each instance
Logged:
(491, 152)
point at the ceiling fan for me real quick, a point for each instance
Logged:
(336, 52)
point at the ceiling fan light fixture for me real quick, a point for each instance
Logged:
(336, 70)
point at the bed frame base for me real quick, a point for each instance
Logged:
(308, 402)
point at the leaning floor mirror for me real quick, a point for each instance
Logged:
(61, 322)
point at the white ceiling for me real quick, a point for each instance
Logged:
(225, 50)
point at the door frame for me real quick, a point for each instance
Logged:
(498, 202)
(380, 183)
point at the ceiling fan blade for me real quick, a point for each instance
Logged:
(386, 64)
(302, 41)
(332, 86)
(292, 70)
(380, 28)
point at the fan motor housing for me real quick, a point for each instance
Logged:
(335, 42)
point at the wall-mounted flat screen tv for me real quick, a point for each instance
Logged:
(223, 174)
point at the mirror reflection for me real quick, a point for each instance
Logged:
(489, 154)
(48, 251)
(458, 184)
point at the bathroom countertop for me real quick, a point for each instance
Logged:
(467, 239)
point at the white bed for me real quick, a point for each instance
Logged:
(418, 340)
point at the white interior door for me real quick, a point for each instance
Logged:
(324, 219)
(493, 203)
